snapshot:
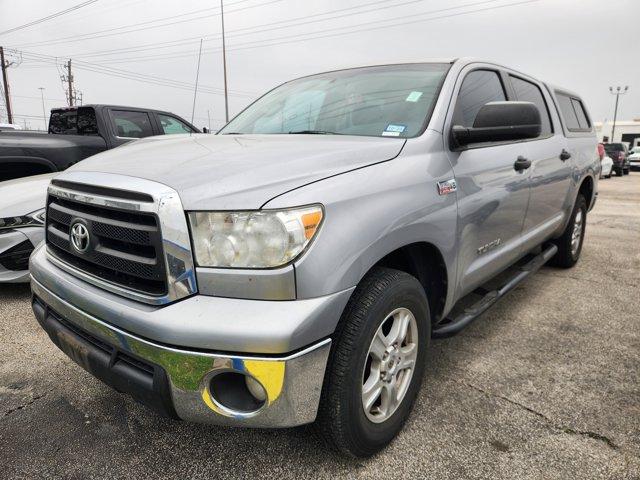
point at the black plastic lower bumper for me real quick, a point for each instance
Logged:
(145, 382)
(17, 257)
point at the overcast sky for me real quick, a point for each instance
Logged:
(583, 45)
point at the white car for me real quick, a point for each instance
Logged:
(22, 210)
(606, 166)
(10, 126)
(634, 158)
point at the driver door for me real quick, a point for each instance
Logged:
(492, 194)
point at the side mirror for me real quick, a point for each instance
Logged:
(500, 121)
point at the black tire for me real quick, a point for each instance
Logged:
(566, 256)
(342, 421)
(619, 172)
(625, 171)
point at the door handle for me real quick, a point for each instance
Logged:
(564, 155)
(522, 164)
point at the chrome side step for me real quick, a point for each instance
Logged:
(451, 327)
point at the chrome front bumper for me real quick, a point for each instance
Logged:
(292, 383)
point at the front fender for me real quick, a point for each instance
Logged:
(373, 211)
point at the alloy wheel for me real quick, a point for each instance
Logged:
(389, 365)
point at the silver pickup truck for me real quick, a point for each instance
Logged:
(294, 267)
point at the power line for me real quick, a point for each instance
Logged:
(99, 34)
(254, 29)
(38, 98)
(49, 17)
(294, 38)
(97, 68)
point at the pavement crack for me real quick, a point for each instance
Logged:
(24, 405)
(560, 428)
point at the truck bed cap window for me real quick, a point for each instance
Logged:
(573, 113)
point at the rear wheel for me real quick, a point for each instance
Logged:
(625, 171)
(570, 243)
(376, 365)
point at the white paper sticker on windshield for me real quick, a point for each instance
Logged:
(413, 97)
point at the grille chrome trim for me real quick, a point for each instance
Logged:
(178, 258)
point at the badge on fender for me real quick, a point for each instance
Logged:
(447, 187)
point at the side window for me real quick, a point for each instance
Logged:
(530, 92)
(132, 124)
(573, 112)
(580, 113)
(478, 88)
(87, 123)
(171, 125)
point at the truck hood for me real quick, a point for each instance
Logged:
(225, 172)
(24, 195)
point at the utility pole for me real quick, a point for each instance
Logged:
(224, 65)
(617, 92)
(44, 111)
(209, 120)
(5, 82)
(70, 80)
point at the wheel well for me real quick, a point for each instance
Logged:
(12, 170)
(423, 261)
(586, 190)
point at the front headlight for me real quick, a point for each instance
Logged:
(253, 239)
(34, 219)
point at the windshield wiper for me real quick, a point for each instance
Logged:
(232, 133)
(312, 132)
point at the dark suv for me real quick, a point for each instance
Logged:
(619, 153)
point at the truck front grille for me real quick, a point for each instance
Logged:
(124, 246)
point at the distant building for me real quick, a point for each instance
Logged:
(626, 131)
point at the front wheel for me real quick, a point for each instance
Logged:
(376, 364)
(570, 243)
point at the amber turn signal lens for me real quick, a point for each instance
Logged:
(311, 222)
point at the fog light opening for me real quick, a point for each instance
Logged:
(255, 389)
(237, 392)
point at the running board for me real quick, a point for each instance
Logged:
(455, 325)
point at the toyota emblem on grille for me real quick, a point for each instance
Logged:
(79, 237)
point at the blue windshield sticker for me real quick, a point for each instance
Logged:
(413, 97)
(393, 130)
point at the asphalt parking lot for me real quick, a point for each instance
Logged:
(545, 385)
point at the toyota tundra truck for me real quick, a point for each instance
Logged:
(295, 267)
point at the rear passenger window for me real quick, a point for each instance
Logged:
(573, 113)
(530, 92)
(132, 124)
(478, 88)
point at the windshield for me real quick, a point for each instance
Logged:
(80, 121)
(392, 101)
(614, 147)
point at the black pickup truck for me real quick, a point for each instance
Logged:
(76, 133)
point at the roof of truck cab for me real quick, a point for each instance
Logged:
(555, 88)
(116, 107)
